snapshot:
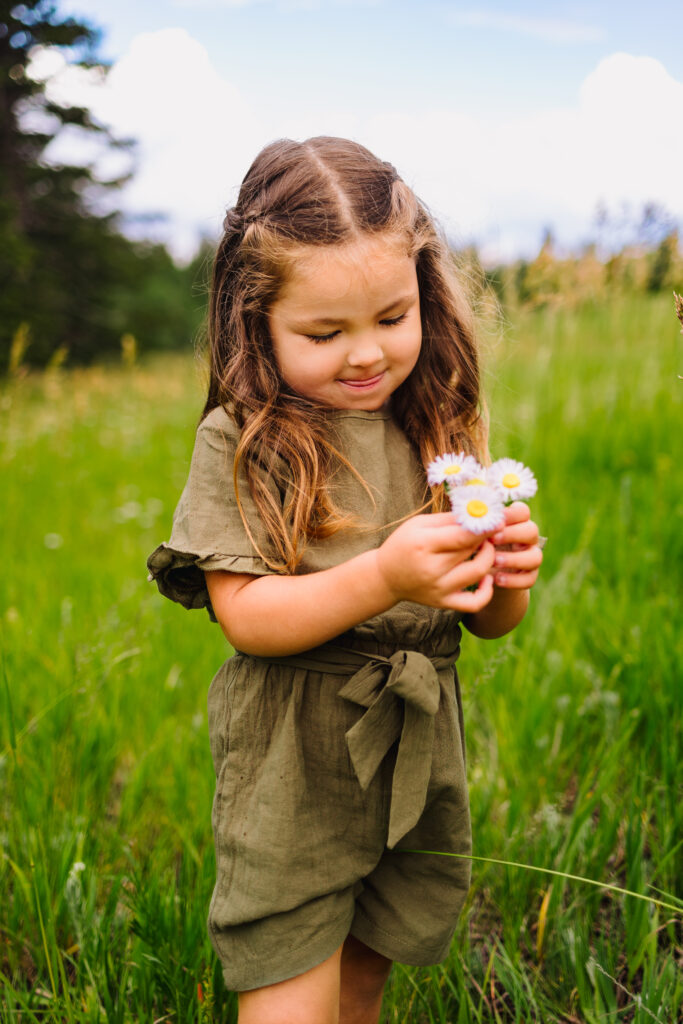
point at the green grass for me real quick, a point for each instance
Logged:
(573, 721)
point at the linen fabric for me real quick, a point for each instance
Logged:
(333, 764)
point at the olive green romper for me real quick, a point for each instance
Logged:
(330, 765)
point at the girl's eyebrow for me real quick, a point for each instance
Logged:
(327, 321)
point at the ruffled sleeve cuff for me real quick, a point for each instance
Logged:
(179, 575)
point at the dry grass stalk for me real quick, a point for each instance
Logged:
(678, 302)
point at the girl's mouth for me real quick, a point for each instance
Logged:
(362, 385)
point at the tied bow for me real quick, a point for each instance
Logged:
(401, 694)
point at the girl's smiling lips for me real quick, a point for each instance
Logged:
(362, 384)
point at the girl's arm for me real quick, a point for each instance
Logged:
(426, 559)
(515, 572)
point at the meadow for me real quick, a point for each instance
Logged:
(573, 721)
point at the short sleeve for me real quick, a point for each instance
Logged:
(208, 531)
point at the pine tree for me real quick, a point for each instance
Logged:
(58, 258)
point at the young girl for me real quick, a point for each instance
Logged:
(342, 362)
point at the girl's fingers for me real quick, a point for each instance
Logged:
(515, 513)
(521, 533)
(440, 518)
(451, 537)
(472, 600)
(516, 580)
(518, 561)
(457, 542)
(466, 574)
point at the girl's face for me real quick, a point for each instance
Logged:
(346, 328)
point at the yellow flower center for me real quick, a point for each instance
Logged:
(477, 508)
(511, 480)
(452, 470)
(475, 480)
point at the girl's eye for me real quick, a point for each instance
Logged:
(318, 338)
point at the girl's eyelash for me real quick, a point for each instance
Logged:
(322, 337)
(318, 338)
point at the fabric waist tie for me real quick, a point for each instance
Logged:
(401, 694)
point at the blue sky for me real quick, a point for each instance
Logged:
(505, 118)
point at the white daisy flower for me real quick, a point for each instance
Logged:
(452, 469)
(515, 481)
(477, 509)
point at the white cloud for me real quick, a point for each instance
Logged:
(498, 180)
(194, 130)
(288, 5)
(554, 30)
(502, 179)
(214, 4)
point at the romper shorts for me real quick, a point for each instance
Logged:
(331, 766)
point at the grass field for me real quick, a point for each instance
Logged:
(573, 721)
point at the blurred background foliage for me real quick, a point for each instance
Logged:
(72, 285)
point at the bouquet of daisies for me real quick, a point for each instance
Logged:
(478, 495)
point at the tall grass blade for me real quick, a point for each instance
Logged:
(551, 871)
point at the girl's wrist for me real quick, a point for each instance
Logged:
(380, 580)
(503, 613)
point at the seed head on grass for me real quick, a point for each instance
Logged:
(678, 303)
(21, 340)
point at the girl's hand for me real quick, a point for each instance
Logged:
(518, 567)
(428, 559)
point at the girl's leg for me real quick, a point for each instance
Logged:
(309, 998)
(317, 997)
(363, 975)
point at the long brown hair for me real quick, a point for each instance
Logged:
(322, 192)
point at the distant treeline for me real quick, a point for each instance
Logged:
(144, 302)
(553, 279)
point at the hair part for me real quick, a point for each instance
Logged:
(328, 192)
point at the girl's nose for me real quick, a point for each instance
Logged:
(365, 352)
